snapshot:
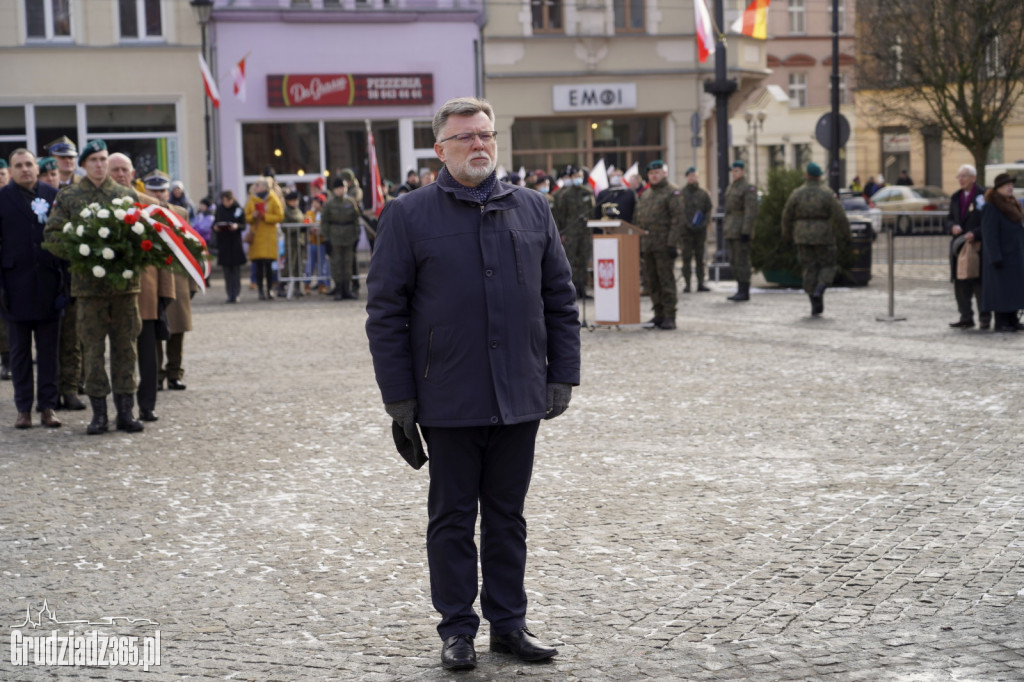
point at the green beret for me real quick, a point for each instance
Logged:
(814, 170)
(88, 150)
(47, 164)
(3, 163)
(347, 174)
(657, 164)
(689, 170)
(738, 164)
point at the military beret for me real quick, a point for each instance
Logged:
(47, 164)
(92, 148)
(656, 165)
(814, 170)
(569, 170)
(739, 163)
(157, 180)
(62, 146)
(347, 174)
(3, 163)
(337, 182)
(689, 170)
(291, 196)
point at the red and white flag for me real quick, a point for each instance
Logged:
(378, 189)
(599, 177)
(238, 78)
(705, 31)
(209, 83)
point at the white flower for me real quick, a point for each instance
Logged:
(94, 206)
(103, 214)
(85, 213)
(84, 249)
(119, 213)
(103, 233)
(127, 274)
(116, 202)
(137, 228)
(108, 253)
(68, 227)
(98, 271)
(80, 230)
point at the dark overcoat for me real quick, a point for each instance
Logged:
(471, 308)
(229, 242)
(33, 280)
(969, 220)
(1002, 242)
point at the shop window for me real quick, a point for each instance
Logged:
(48, 19)
(12, 130)
(140, 19)
(551, 144)
(130, 118)
(288, 148)
(629, 15)
(547, 16)
(52, 122)
(423, 135)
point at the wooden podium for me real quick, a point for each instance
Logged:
(616, 272)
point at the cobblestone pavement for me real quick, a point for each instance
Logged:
(756, 496)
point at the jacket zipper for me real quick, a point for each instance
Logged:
(430, 347)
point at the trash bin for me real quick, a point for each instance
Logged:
(862, 234)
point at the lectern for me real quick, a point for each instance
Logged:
(616, 272)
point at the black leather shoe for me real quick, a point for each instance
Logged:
(457, 653)
(523, 645)
(701, 287)
(147, 415)
(175, 385)
(985, 325)
(962, 324)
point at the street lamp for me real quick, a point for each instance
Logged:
(202, 10)
(755, 122)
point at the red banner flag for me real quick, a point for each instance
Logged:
(378, 188)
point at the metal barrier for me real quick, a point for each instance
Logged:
(296, 262)
(916, 246)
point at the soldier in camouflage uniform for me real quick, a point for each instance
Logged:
(662, 212)
(695, 229)
(811, 219)
(740, 213)
(574, 204)
(339, 224)
(103, 310)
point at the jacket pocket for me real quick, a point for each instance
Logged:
(520, 277)
(430, 351)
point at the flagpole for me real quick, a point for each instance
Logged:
(722, 87)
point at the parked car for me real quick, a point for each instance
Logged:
(900, 198)
(859, 208)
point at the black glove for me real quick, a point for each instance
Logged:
(404, 414)
(672, 252)
(559, 396)
(997, 264)
(328, 248)
(744, 238)
(191, 295)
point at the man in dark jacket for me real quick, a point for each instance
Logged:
(31, 288)
(474, 333)
(964, 223)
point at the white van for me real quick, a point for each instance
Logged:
(1014, 169)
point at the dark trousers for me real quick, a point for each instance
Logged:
(264, 273)
(965, 290)
(232, 280)
(148, 366)
(175, 352)
(485, 467)
(47, 336)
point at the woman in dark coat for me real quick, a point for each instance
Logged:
(228, 223)
(1002, 255)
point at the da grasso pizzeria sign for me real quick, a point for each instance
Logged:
(349, 89)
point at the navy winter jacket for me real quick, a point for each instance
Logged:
(32, 280)
(471, 306)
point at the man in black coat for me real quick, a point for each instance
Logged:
(964, 223)
(32, 288)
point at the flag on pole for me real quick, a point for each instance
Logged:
(599, 177)
(705, 30)
(238, 77)
(754, 20)
(209, 83)
(632, 170)
(378, 189)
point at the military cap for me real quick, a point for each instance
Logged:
(3, 163)
(47, 164)
(814, 170)
(337, 182)
(92, 148)
(657, 164)
(157, 180)
(739, 163)
(347, 174)
(691, 169)
(62, 146)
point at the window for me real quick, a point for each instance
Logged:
(553, 143)
(547, 16)
(287, 147)
(842, 17)
(48, 19)
(629, 15)
(798, 89)
(802, 155)
(797, 18)
(147, 133)
(140, 19)
(12, 130)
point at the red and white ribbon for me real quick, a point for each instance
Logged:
(198, 272)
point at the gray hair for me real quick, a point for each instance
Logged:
(119, 155)
(969, 169)
(460, 106)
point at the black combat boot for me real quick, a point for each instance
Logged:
(99, 416)
(701, 287)
(124, 402)
(687, 289)
(817, 304)
(742, 292)
(69, 401)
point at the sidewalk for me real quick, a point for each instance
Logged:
(758, 495)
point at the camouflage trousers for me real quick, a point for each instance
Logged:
(660, 280)
(70, 351)
(739, 259)
(578, 246)
(819, 264)
(116, 317)
(342, 259)
(693, 249)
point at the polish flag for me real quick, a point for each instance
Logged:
(705, 31)
(209, 83)
(238, 77)
(378, 189)
(599, 177)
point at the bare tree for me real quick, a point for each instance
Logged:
(954, 64)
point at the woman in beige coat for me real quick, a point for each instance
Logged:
(263, 211)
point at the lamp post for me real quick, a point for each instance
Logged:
(202, 10)
(755, 122)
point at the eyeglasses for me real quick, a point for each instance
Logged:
(467, 138)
